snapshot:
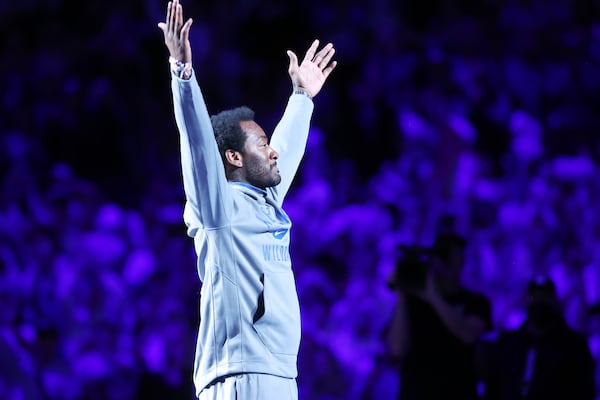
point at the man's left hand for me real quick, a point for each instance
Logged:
(312, 73)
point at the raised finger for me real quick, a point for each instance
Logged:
(168, 19)
(325, 61)
(310, 53)
(185, 31)
(319, 56)
(173, 19)
(330, 68)
(179, 18)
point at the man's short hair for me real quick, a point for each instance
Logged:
(228, 133)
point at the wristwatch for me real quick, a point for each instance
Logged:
(299, 90)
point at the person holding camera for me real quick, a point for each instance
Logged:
(436, 323)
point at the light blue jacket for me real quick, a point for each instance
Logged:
(249, 312)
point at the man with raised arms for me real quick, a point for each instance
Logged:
(235, 181)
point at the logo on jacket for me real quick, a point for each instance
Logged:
(279, 234)
(266, 216)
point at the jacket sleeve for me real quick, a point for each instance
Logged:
(208, 200)
(289, 140)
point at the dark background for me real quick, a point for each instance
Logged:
(485, 111)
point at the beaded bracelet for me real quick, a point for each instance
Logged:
(181, 69)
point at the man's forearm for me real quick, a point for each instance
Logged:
(466, 328)
(289, 139)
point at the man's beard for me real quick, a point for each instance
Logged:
(260, 176)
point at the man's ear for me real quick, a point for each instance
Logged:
(234, 158)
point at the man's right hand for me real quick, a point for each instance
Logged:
(177, 33)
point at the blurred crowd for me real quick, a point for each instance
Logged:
(477, 114)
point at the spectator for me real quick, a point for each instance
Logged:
(437, 323)
(544, 358)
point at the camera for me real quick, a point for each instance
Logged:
(412, 266)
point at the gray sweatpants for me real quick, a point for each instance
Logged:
(251, 387)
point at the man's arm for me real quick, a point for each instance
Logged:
(204, 178)
(291, 134)
(467, 328)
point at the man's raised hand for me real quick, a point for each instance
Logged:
(312, 73)
(177, 33)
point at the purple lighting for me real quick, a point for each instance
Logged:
(485, 113)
